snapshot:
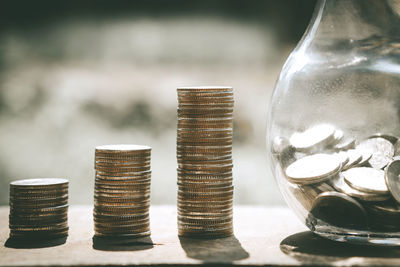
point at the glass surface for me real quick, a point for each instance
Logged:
(338, 95)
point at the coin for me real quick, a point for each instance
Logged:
(38, 208)
(345, 144)
(365, 157)
(397, 148)
(204, 89)
(384, 216)
(392, 139)
(392, 178)
(312, 169)
(122, 148)
(338, 136)
(366, 179)
(344, 158)
(340, 210)
(313, 138)
(42, 183)
(354, 158)
(343, 187)
(204, 155)
(382, 151)
(121, 236)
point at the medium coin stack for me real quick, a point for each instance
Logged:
(342, 181)
(39, 209)
(122, 191)
(204, 154)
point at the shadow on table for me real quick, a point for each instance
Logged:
(221, 250)
(122, 244)
(309, 247)
(34, 242)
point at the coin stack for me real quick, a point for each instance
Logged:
(39, 209)
(122, 191)
(342, 181)
(204, 154)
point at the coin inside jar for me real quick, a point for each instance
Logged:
(366, 179)
(312, 169)
(340, 210)
(313, 138)
(392, 178)
(382, 151)
(354, 158)
(343, 187)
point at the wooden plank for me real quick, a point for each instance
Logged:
(263, 236)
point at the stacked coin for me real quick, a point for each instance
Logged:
(204, 154)
(122, 191)
(39, 208)
(334, 177)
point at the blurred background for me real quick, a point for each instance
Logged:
(76, 74)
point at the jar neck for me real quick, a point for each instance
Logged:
(354, 20)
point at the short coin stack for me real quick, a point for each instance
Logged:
(122, 191)
(204, 154)
(39, 209)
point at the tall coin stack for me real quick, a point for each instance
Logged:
(122, 191)
(39, 209)
(204, 154)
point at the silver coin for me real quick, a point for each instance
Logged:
(312, 169)
(354, 157)
(365, 157)
(391, 138)
(340, 210)
(122, 148)
(344, 187)
(397, 148)
(39, 182)
(338, 136)
(313, 138)
(392, 178)
(366, 179)
(344, 158)
(345, 144)
(382, 151)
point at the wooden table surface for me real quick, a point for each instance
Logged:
(263, 236)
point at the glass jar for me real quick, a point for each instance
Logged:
(334, 122)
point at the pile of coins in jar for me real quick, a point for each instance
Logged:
(122, 191)
(342, 181)
(39, 209)
(204, 154)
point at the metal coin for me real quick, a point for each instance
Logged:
(121, 236)
(343, 187)
(340, 210)
(392, 178)
(382, 151)
(39, 183)
(354, 158)
(314, 168)
(122, 148)
(367, 180)
(392, 139)
(365, 157)
(345, 144)
(313, 138)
